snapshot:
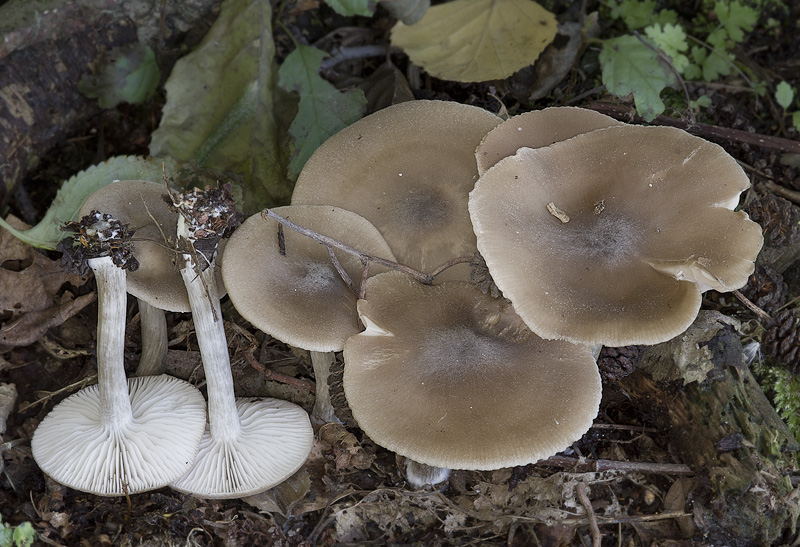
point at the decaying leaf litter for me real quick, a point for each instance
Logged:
(350, 490)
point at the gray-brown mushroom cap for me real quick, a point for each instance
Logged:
(408, 169)
(452, 378)
(611, 236)
(138, 203)
(536, 129)
(299, 297)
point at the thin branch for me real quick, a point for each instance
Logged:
(584, 465)
(351, 54)
(763, 316)
(587, 505)
(425, 279)
(277, 376)
(342, 273)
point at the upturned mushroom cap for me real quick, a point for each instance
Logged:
(408, 169)
(74, 447)
(138, 203)
(611, 236)
(274, 441)
(299, 297)
(536, 129)
(452, 378)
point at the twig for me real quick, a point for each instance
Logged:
(583, 465)
(80, 384)
(791, 195)
(277, 376)
(351, 54)
(763, 316)
(342, 272)
(587, 505)
(636, 428)
(425, 279)
(705, 130)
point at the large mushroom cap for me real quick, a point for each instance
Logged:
(610, 237)
(408, 169)
(274, 442)
(452, 378)
(76, 447)
(536, 129)
(298, 296)
(139, 204)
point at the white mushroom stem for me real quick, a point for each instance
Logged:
(153, 323)
(115, 404)
(323, 411)
(420, 475)
(223, 418)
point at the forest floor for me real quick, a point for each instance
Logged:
(352, 491)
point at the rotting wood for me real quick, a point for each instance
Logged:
(746, 492)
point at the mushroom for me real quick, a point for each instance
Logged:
(610, 237)
(118, 437)
(250, 444)
(536, 129)
(288, 287)
(408, 169)
(157, 285)
(452, 378)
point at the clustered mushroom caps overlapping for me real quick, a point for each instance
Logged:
(596, 232)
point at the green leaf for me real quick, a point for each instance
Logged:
(666, 16)
(24, 535)
(323, 110)
(712, 63)
(637, 13)
(703, 101)
(796, 119)
(221, 105)
(784, 94)
(629, 66)
(128, 74)
(672, 41)
(348, 8)
(74, 192)
(736, 18)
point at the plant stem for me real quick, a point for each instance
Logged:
(115, 403)
(223, 417)
(425, 279)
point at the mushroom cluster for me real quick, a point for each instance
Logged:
(596, 233)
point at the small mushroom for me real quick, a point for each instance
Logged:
(287, 285)
(250, 444)
(536, 129)
(118, 437)
(408, 169)
(650, 227)
(157, 284)
(452, 378)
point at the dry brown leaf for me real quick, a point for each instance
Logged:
(32, 325)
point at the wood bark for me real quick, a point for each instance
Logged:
(40, 104)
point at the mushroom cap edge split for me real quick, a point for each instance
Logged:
(452, 378)
(408, 169)
(611, 236)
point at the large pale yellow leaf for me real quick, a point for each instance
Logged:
(477, 40)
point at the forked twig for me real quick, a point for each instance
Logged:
(425, 279)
